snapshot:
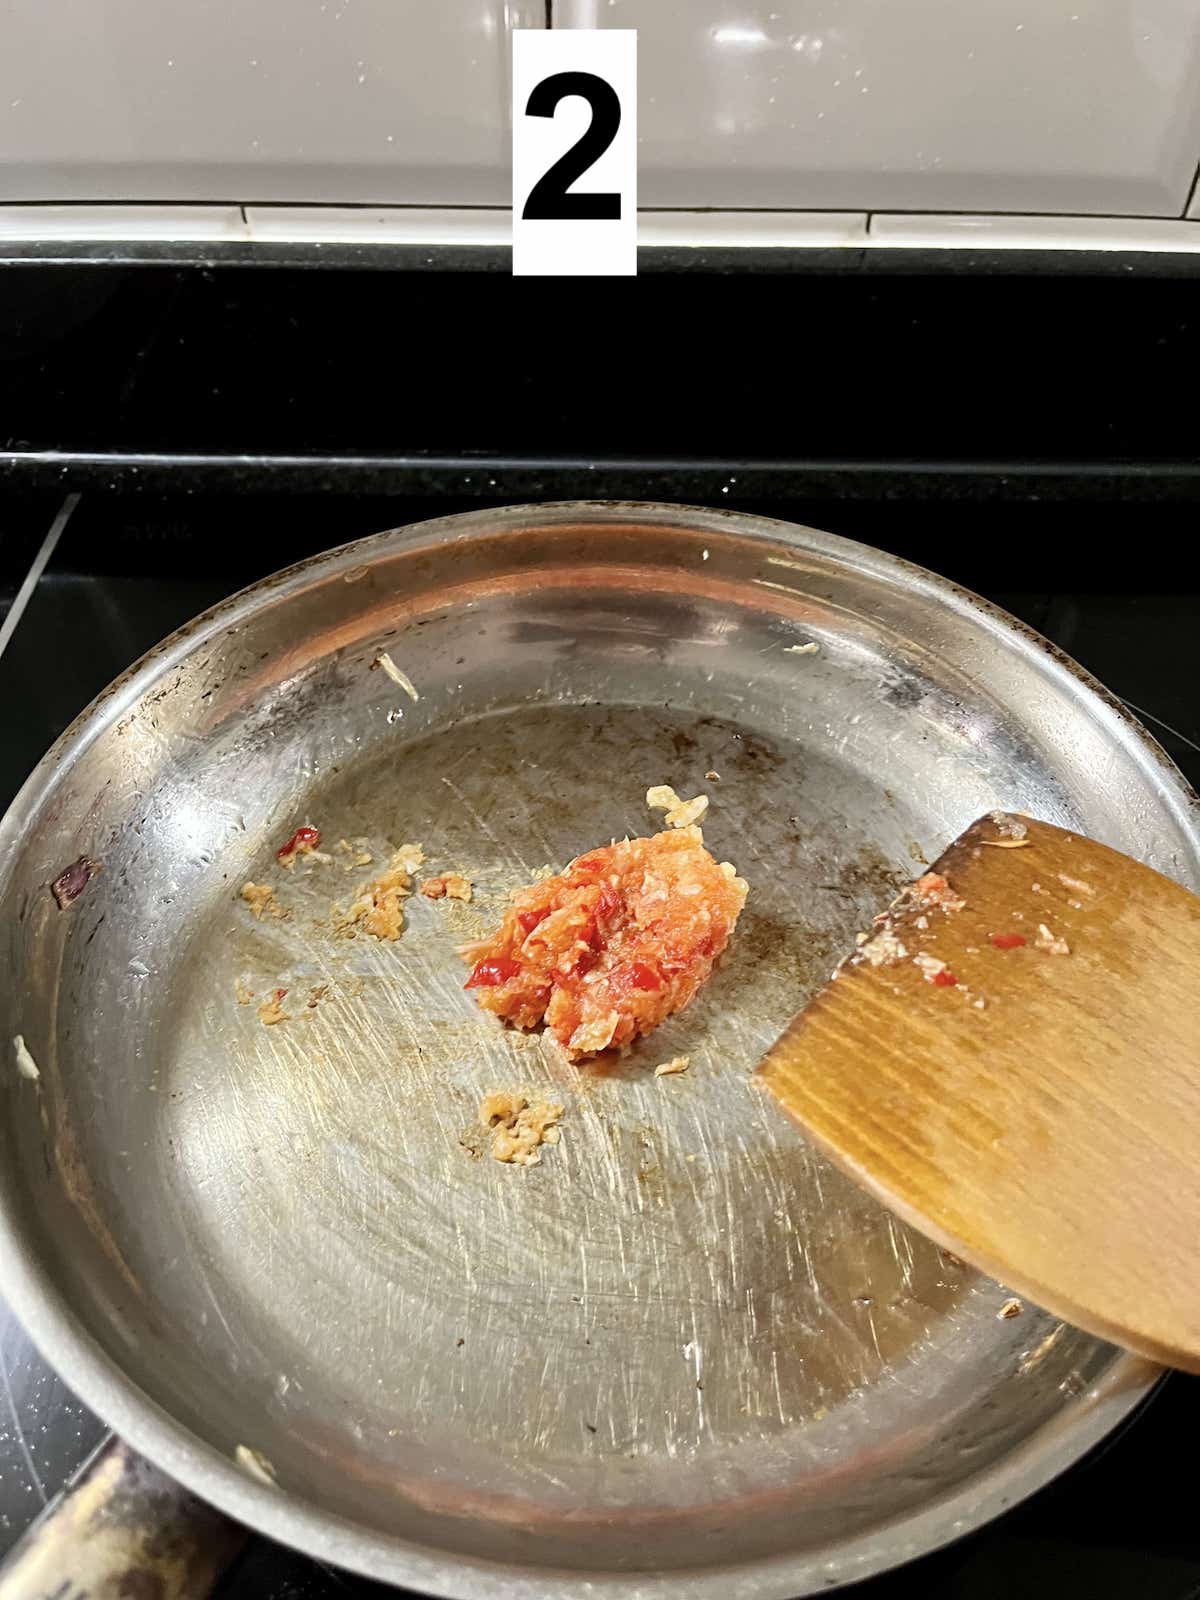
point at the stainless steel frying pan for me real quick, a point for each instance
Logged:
(683, 1355)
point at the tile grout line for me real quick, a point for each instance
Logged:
(9, 626)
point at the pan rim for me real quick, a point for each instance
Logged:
(104, 1386)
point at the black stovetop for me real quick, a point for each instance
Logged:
(128, 567)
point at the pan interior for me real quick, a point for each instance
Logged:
(681, 1340)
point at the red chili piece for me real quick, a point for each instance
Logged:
(944, 979)
(608, 903)
(71, 882)
(303, 839)
(643, 977)
(1008, 941)
(487, 974)
(530, 919)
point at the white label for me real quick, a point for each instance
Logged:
(574, 152)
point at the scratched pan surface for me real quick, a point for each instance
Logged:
(682, 1355)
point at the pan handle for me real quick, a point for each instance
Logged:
(121, 1528)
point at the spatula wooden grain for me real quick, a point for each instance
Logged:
(1011, 1062)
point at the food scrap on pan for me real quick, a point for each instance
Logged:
(448, 885)
(73, 880)
(304, 841)
(260, 897)
(519, 1127)
(671, 1069)
(401, 679)
(605, 950)
(26, 1065)
(679, 813)
(256, 1464)
(271, 1011)
(378, 906)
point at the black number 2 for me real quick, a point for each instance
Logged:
(549, 199)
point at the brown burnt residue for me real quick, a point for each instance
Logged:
(73, 880)
(869, 875)
(737, 749)
(76, 1179)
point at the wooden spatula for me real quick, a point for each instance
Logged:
(1011, 1062)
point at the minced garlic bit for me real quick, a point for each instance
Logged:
(669, 1069)
(1046, 940)
(260, 897)
(362, 857)
(1009, 826)
(242, 992)
(271, 1011)
(1009, 1310)
(680, 813)
(1078, 884)
(590, 1037)
(932, 889)
(929, 965)
(449, 885)
(378, 908)
(884, 949)
(26, 1065)
(401, 679)
(519, 1127)
(256, 1464)
(812, 648)
(315, 995)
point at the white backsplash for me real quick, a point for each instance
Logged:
(352, 101)
(1086, 107)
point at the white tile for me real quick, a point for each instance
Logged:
(909, 230)
(1059, 106)
(753, 229)
(377, 225)
(344, 101)
(120, 222)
